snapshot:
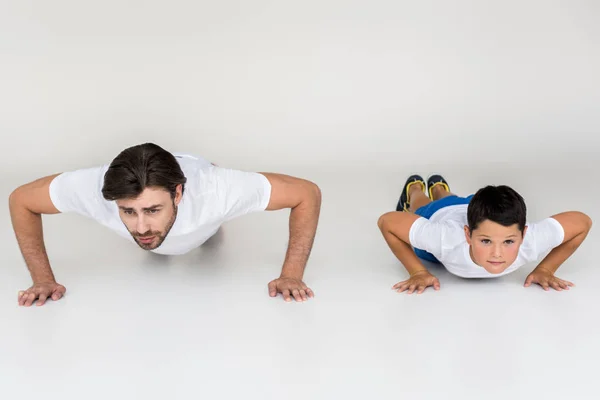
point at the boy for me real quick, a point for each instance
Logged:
(480, 236)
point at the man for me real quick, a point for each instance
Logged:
(166, 203)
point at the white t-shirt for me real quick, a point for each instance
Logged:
(443, 236)
(212, 196)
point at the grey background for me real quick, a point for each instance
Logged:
(353, 95)
(317, 82)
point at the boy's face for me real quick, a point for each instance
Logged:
(493, 246)
(150, 216)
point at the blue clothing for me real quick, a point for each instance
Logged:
(428, 210)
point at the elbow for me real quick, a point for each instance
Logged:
(314, 192)
(586, 222)
(382, 221)
(14, 198)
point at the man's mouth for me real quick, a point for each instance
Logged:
(146, 240)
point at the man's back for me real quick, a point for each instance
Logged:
(212, 196)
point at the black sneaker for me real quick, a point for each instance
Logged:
(435, 180)
(403, 204)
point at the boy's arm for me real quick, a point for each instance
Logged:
(395, 227)
(576, 226)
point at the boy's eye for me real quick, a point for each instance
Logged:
(509, 241)
(485, 241)
(152, 211)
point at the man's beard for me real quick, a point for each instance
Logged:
(159, 238)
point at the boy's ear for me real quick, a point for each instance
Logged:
(468, 234)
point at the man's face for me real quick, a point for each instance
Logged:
(493, 246)
(150, 216)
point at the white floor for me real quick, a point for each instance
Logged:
(139, 326)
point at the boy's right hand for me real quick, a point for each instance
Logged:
(41, 291)
(418, 281)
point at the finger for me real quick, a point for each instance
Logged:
(22, 298)
(310, 293)
(555, 286)
(529, 280)
(402, 288)
(545, 285)
(436, 284)
(296, 294)
(42, 299)
(30, 299)
(303, 295)
(399, 284)
(421, 289)
(272, 289)
(286, 295)
(59, 293)
(564, 284)
(411, 288)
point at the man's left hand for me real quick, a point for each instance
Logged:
(290, 287)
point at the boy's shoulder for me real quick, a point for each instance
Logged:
(541, 237)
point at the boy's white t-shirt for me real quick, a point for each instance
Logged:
(212, 196)
(443, 236)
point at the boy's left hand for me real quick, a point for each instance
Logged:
(547, 280)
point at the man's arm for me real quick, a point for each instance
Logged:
(27, 203)
(304, 199)
(576, 226)
(395, 227)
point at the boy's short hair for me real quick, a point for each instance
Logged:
(500, 204)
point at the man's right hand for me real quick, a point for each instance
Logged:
(41, 292)
(418, 281)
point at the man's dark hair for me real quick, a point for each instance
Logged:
(139, 167)
(500, 204)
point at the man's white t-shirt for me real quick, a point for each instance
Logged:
(443, 236)
(212, 196)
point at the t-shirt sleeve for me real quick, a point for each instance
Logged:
(427, 235)
(243, 192)
(541, 237)
(79, 191)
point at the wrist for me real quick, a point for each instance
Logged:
(419, 272)
(40, 279)
(291, 274)
(541, 268)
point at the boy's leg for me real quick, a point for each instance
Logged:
(417, 198)
(439, 192)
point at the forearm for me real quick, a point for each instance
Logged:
(403, 251)
(29, 233)
(561, 253)
(302, 230)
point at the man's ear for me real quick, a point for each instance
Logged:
(178, 194)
